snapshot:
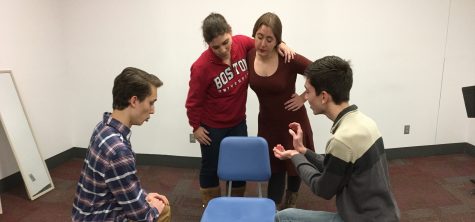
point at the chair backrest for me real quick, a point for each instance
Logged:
(244, 159)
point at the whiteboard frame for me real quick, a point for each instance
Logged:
(23, 169)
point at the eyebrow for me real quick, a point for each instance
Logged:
(222, 43)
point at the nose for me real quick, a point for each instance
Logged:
(223, 50)
(260, 44)
(266, 44)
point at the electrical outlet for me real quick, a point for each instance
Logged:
(32, 178)
(407, 129)
(192, 138)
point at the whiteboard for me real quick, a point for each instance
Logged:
(21, 140)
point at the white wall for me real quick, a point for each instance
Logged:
(393, 45)
(157, 37)
(397, 49)
(459, 71)
(31, 46)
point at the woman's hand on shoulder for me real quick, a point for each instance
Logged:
(286, 52)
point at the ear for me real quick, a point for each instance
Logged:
(326, 97)
(133, 101)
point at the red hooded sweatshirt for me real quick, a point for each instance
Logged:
(218, 92)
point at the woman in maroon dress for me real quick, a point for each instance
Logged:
(273, 81)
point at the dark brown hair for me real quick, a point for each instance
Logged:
(214, 25)
(333, 75)
(132, 82)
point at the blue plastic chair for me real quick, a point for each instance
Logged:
(242, 159)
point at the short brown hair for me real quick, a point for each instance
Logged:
(333, 75)
(132, 82)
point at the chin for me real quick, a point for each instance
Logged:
(261, 53)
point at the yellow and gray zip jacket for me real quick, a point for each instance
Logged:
(354, 169)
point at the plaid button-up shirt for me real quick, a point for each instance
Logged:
(108, 188)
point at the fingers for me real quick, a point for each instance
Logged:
(279, 147)
(157, 204)
(296, 108)
(287, 52)
(290, 56)
(290, 107)
(152, 197)
(205, 140)
(201, 135)
(288, 102)
(277, 153)
(294, 126)
(292, 133)
(293, 104)
(163, 199)
(282, 154)
(293, 107)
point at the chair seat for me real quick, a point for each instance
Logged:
(234, 209)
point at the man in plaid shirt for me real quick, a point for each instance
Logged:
(108, 188)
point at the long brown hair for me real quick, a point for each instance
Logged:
(272, 21)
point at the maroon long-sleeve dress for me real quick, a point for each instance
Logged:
(273, 121)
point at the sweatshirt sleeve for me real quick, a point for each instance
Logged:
(246, 42)
(196, 96)
(324, 183)
(315, 159)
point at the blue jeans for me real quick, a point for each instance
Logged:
(209, 154)
(294, 215)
